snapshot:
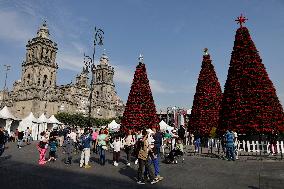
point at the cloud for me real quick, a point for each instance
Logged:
(159, 87)
(79, 47)
(125, 76)
(14, 27)
(69, 61)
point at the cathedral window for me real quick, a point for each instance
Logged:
(28, 79)
(44, 80)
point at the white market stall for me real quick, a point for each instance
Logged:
(31, 122)
(113, 126)
(43, 121)
(53, 122)
(8, 120)
(164, 127)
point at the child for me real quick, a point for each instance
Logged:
(68, 147)
(116, 145)
(52, 149)
(42, 147)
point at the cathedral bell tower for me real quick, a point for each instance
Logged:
(39, 69)
(104, 89)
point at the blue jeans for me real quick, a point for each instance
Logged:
(155, 162)
(230, 153)
(197, 146)
(102, 154)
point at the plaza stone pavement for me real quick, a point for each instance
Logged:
(19, 170)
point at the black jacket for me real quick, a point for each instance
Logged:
(2, 137)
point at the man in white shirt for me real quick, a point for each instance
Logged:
(73, 136)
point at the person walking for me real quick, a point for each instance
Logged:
(61, 133)
(273, 142)
(101, 143)
(2, 141)
(144, 161)
(197, 142)
(181, 133)
(157, 136)
(68, 149)
(116, 145)
(230, 154)
(128, 146)
(52, 149)
(95, 137)
(20, 139)
(236, 144)
(86, 149)
(42, 148)
(28, 136)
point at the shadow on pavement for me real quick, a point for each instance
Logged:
(18, 175)
(4, 158)
(253, 187)
(129, 172)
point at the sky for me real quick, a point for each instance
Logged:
(171, 35)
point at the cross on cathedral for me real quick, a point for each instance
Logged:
(241, 19)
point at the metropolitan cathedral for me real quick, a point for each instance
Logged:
(37, 91)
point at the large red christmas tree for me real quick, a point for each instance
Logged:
(250, 104)
(207, 99)
(140, 111)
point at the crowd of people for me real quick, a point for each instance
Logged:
(142, 147)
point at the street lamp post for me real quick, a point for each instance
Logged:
(7, 68)
(90, 63)
(168, 109)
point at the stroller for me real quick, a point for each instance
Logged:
(175, 154)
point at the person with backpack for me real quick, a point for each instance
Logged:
(85, 147)
(230, 153)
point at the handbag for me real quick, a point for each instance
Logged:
(104, 147)
(81, 147)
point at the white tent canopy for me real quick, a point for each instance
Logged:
(114, 126)
(6, 114)
(8, 118)
(164, 126)
(43, 121)
(31, 122)
(53, 120)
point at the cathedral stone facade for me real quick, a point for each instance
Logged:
(37, 91)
